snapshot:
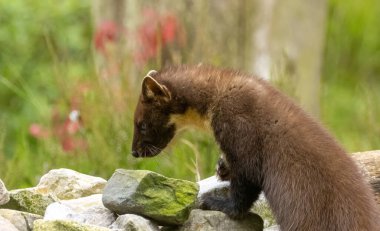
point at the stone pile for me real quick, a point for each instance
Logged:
(131, 200)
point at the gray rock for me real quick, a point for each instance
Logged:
(61, 225)
(131, 222)
(273, 228)
(6, 225)
(4, 195)
(23, 221)
(201, 220)
(28, 200)
(66, 184)
(145, 193)
(87, 210)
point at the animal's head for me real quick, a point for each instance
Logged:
(152, 127)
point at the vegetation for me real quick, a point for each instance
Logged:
(48, 73)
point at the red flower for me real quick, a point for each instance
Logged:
(155, 31)
(169, 25)
(65, 130)
(70, 144)
(71, 126)
(147, 36)
(105, 33)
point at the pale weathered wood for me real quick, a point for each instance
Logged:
(369, 162)
(288, 45)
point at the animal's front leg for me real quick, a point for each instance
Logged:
(222, 169)
(237, 205)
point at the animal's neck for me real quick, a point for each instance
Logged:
(191, 118)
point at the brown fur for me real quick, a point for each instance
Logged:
(270, 145)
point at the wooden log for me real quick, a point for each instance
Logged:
(369, 163)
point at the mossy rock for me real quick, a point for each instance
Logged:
(64, 225)
(27, 200)
(149, 194)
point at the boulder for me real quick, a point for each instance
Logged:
(6, 225)
(131, 222)
(4, 195)
(23, 221)
(67, 184)
(61, 225)
(87, 210)
(28, 200)
(149, 194)
(202, 220)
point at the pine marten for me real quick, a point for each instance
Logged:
(270, 144)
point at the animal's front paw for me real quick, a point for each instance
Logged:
(207, 203)
(221, 204)
(236, 215)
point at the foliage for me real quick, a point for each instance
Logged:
(47, 72)
(351, 84)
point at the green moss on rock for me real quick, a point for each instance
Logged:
(166, 200)
(27, 200)
(63, 225)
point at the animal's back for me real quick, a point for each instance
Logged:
(310, 181)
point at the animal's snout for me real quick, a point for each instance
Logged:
(135, 153)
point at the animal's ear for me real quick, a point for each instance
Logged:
(152, 90)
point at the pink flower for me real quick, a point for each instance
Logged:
(38, 131)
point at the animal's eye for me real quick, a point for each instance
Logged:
(142, 128)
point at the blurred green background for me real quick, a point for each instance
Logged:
(57, 59)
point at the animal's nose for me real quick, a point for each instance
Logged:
(135, 153)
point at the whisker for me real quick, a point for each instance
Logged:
(145, 152)
(165, 155)
(151, 149)
(159, 149)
